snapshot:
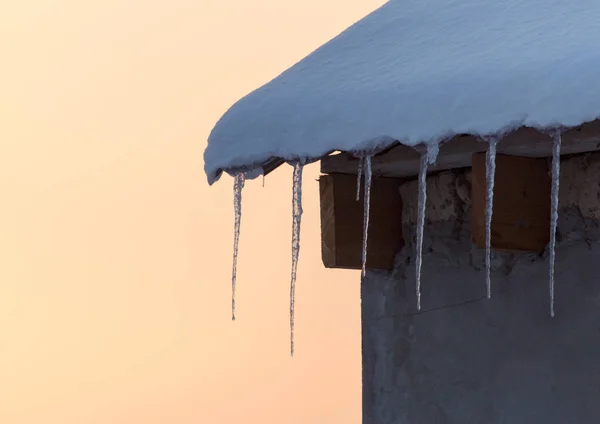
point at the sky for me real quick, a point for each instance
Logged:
(115, 254)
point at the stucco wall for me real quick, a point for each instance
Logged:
(466, 359)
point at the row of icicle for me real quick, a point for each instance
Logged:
(428, 157)
(238, 185)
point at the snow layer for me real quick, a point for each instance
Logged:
(419, 71)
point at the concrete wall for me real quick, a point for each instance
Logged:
(466, 359)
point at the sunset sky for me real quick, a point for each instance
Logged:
(115, 254)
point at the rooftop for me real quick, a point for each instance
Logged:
(420, 72)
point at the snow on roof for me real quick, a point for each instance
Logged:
(419, 71)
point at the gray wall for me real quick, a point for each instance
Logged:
(466, 359)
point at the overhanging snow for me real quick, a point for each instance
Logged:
(420, 71)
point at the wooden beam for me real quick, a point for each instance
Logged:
(403, 161)
(521, 219)
(272, 165)
(342, 222)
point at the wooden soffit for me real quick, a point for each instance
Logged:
(402, 161)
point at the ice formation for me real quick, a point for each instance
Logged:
(367, 208)
(427, 157)
(490, 172)
(554, 213)
(297, 216)
(238, 185)
(421, 223)
(359, 176)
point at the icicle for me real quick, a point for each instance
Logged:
(360, 168)
(297, 215)
(427, 157)
(490, 172)
(432, 152)
(238, 185)
(367, 208)
(554, 213)
(421, 223)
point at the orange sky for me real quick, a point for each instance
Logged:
(115, 255)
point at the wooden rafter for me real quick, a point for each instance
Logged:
(402, 161)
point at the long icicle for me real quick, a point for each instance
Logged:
(297, 215)
(238, 185)
(422, 199)
(427, 157)
(361, 162)
(490, 172)
(367, 209)
(554, 213)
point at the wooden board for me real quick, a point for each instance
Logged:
(521, 218)
(403, 161)
(342, 222)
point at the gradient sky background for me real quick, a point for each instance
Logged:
(115, 255)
